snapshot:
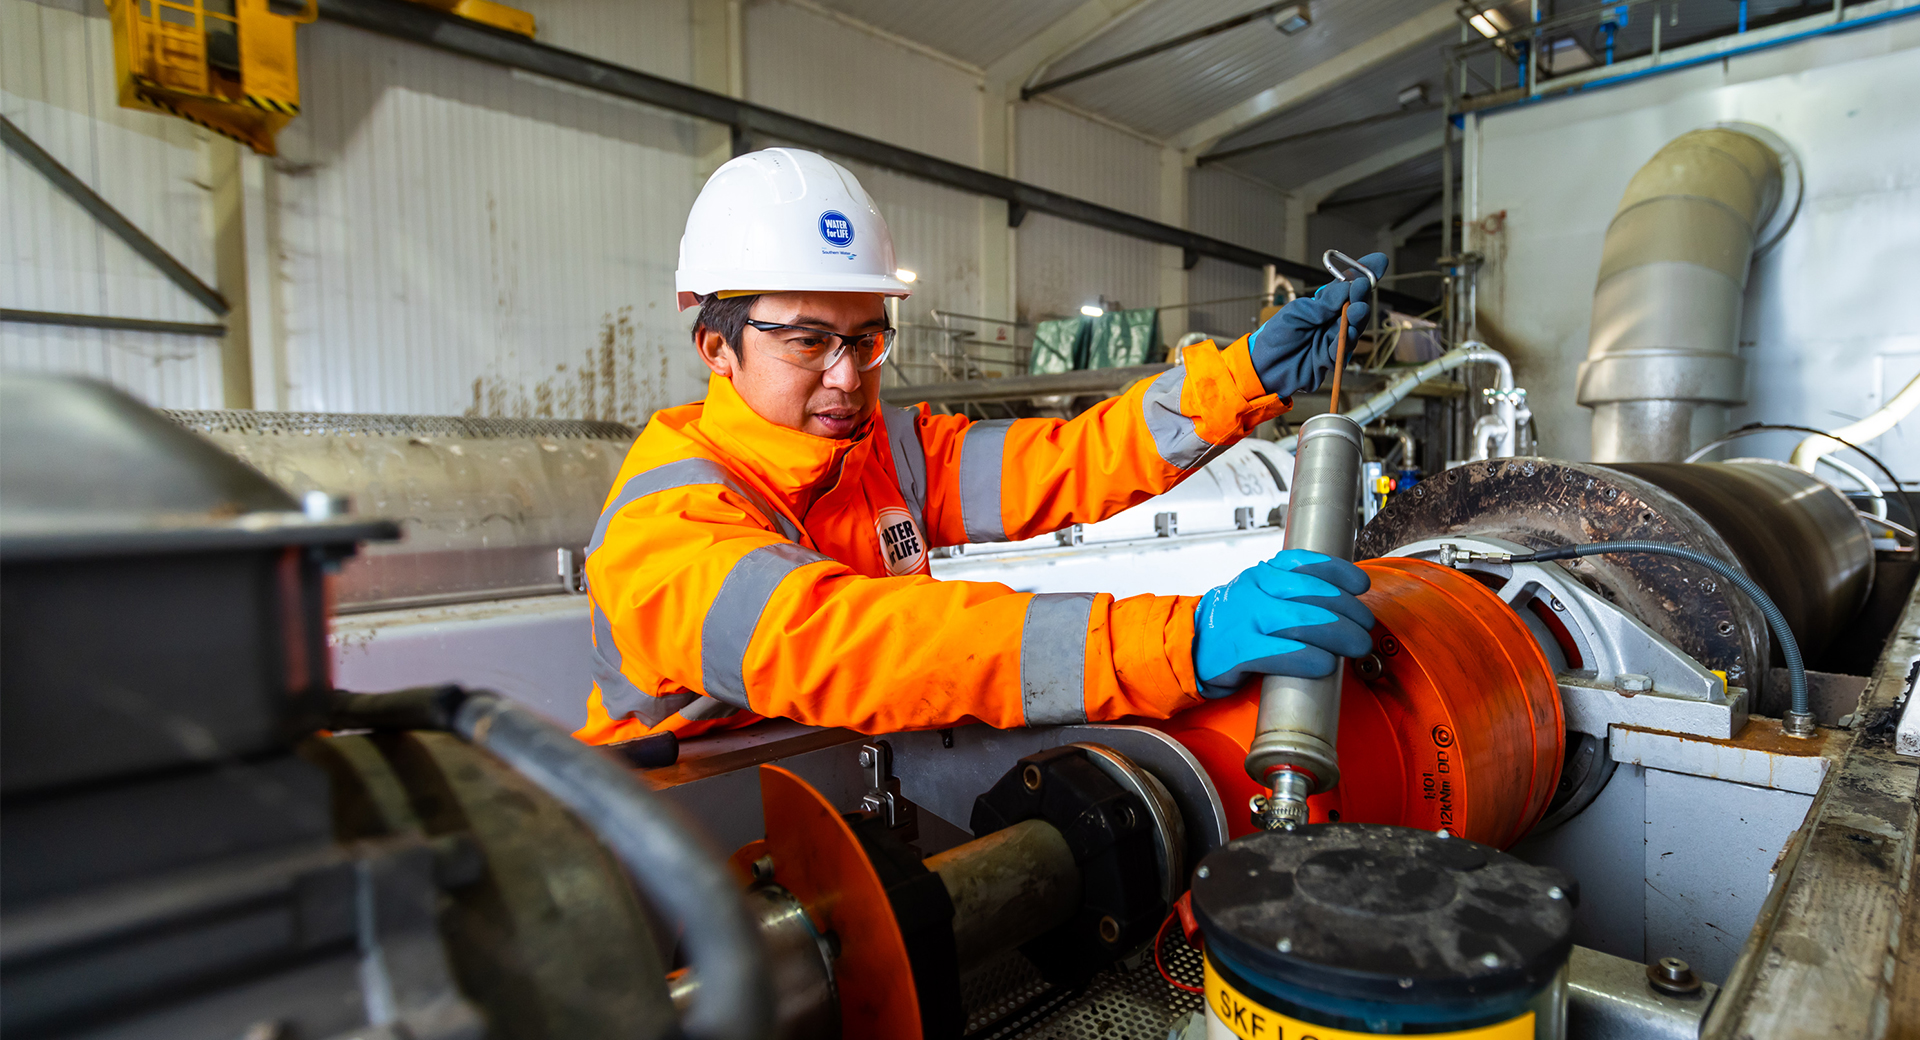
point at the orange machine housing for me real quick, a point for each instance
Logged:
(1453, 722)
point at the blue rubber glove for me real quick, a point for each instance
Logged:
(1294, 349)
(1288, 616)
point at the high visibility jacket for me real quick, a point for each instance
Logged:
(745, 569)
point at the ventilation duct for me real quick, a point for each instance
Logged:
(1661, 365)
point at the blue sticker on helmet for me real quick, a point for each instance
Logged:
(836, 228)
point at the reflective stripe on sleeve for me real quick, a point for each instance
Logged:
(1174, 434)
(909, 460)
(735, 613)
(618, 694)
(684, 473)
(982, 453)
(1053, 658)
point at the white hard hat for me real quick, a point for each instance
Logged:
(784, 220)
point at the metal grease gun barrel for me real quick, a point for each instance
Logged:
(1293, 742)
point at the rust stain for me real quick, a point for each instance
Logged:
(622, 377)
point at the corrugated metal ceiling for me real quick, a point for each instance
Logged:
(1169, 92)
(978, 31)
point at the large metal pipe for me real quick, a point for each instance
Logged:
(1296, 734)
(1662, 366)
(1008, 887)
(1799, 538)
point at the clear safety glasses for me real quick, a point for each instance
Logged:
(817, 350)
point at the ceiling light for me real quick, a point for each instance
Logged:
(904, 275)
(1093, 312)
(1291, 20)
(1414, 95)
(1490, 22)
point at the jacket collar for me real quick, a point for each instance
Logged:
(789, 462)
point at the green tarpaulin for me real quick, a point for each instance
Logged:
(1113, 340)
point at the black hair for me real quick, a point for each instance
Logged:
(728, 317)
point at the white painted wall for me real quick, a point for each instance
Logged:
(56, 85)
(1243, 211)
(1828, 331)
(443, 236)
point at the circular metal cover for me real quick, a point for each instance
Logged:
(1540, 503)
(1391, 914)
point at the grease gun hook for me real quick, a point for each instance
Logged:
(1327, 258)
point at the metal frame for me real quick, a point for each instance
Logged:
(423, 25)
(76, 189)
(97, 321)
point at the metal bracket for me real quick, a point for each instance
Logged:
(571, 568)
(883, 788)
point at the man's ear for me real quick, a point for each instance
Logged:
(714, 351)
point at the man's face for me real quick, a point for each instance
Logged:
(833, 403)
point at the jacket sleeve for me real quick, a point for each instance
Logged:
(1005, 480)
(699, 596)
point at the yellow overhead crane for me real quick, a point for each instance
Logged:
(230, 65)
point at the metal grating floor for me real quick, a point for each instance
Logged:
(1007, 999)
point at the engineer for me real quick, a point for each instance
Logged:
(764, 552)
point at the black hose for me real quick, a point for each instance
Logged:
(1789, 647)
(671, 863)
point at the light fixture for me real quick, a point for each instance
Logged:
(1291, 20)
(1490, 23)
(1414, 95)
(904, 275)
(1092, 311)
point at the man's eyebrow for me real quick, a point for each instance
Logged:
(809, 319)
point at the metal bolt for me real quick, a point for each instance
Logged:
(1370, 666)
(1633, 682)
(763, 869)
(1557, 605)
(1109, 929)
(1203, 872)
(1491, 960)
(1442, 833)
(1406, 983)
(1673, 976)
(1031, 777)
(1725, 628)
(866, 759)
(1284, 946)
(1555, 893)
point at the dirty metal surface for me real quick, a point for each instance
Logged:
(1834, 952)
(1006, 999)
(1547, 502)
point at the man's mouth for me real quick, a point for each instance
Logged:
(839, 422)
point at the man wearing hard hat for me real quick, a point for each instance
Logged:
(764, 552)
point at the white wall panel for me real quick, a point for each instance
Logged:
(1823, 343)
(1062, 265)
(1232, 207)
(56, 84)
(460, 238)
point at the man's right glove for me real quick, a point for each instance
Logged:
(1292, 615)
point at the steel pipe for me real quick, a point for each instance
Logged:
(1008, 887)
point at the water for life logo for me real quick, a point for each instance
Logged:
(900, 541)
(836, 229)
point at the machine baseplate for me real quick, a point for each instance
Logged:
(1006, 999)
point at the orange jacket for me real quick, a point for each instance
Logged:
(744, 569)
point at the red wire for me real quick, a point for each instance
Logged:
(1171, 981)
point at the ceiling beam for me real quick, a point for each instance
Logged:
(1061, 37)
(1289, 92)
(1315, 191)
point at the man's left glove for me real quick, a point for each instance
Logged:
(1294, 349)
(1292, 615)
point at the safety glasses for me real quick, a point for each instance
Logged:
(817, 350)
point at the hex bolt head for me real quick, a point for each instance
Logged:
(866, 759)
(1633, 682)
(1203, 872)
(1370, 666)
(1284, 946)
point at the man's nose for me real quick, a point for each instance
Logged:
(843, 375)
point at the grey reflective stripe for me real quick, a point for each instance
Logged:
(982, 454)
(1053, 658)
(1173, 432)
(707, 708)
(735, 613)
(909, 460)
(684, 473)
(618, 694)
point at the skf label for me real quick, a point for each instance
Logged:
(901, 543)
(1231, 1013)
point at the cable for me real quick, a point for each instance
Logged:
(1789, 646)
(1753, 428)
(669, 861)
(1159, 937)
